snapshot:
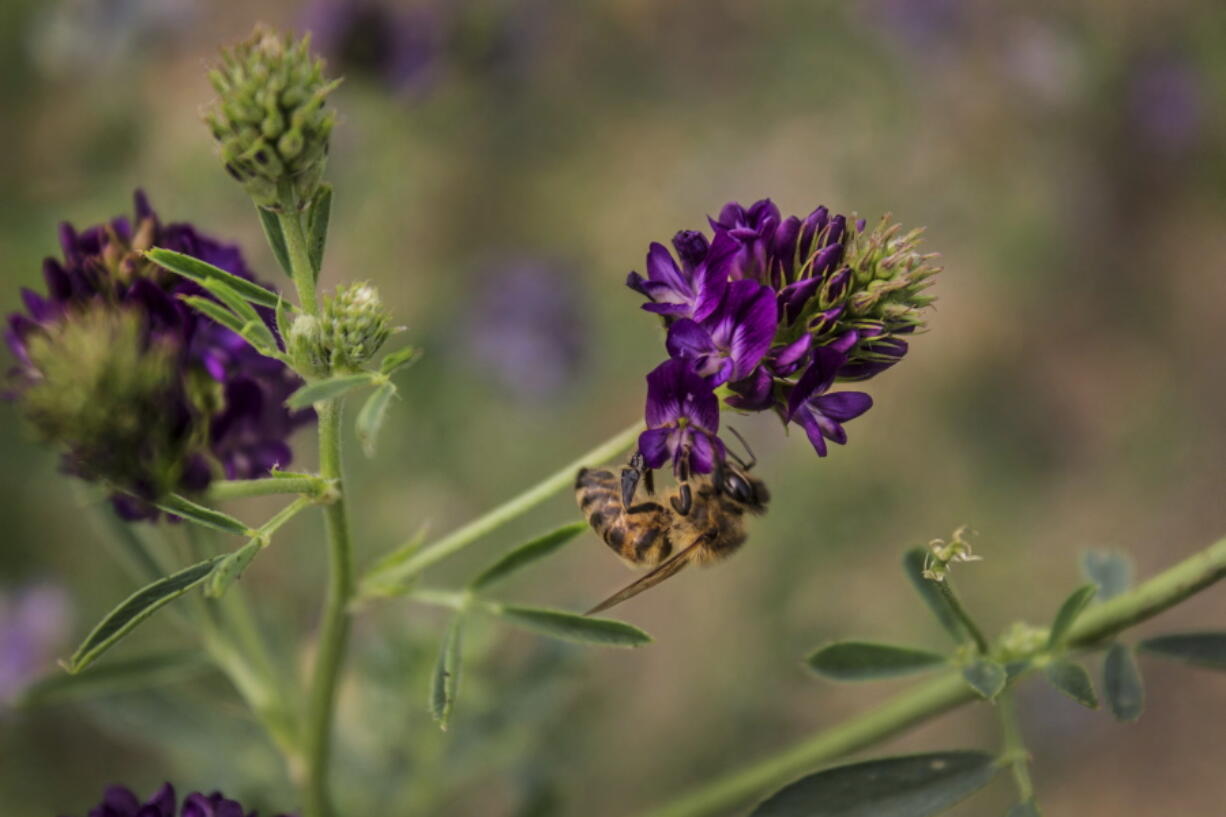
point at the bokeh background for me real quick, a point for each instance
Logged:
(500, 166)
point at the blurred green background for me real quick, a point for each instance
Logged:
(1069, 160)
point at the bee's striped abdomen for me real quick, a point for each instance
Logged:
(639, 535)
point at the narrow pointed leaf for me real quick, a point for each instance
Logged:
(1122, 685)
(328, 389)
(317, 226)
(206, 517)
(446, 681)
(868, 661)
(913, 564)
(1068, 613)
(526, 554)
(135, 609)
(111, 677)
(200, 272)
(1202, 649)
(252, 331)
(911, 786)
(1027, 809)
(398, 359)
(1110, 571)
(1073, 680)
(231, 567)
(276, 239)
(285, 320)
(572, 626)
(370, 417)
(986, 677)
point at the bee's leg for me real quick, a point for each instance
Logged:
(649, 481)
(683, 502)
(630, 479)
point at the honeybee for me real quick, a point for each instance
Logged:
(703, 521)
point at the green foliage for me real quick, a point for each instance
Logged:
(446, 679)
(205, 517)
(231, 567)
(986, 677)
(520, 557)
(276, 240)
(1122, 685)
(1068, 613)
(395, 361)
(1027, 809)
(328, 389)
(205, 274)
(1111, 571)
(135, 609)
(318, 215)
(371, 416)
(866, 661)
(1072, 679)
(913, 564)
(911, 786)
(571, 626)
(1207, 649)
(113, 677)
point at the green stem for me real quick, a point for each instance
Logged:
(933, 698)
(968, 624)
(335, 629)
(269, 486)
(457, 540)
(1015, 747)
(299, 258)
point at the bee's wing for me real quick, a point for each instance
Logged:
(659, 574)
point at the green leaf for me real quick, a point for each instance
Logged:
(525, 554)
(986, 677)
(571, 626)
(1072, 607)
(328, 389)
(1073, 680)
(1027, 809)
(1122, 683)
(397, 360)
(446, 679)
(231, 567)
(254, 332)
(867, 661)
(1206, 649)
(206, 517)
(317, 226)
(200, 272)
(284, 321)
(370, 418)
(913, 564)
(911, 786)
(135, 609)
(111, 677)
(276, 239)
(1110, 570)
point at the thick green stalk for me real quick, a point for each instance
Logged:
(933, 698)
(299, 258)
(457, 540)
(335, 629)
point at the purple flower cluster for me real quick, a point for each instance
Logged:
(767, 314)
(228, 403)
(396, 47)
(118, 801)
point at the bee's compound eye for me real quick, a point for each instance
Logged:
(738, 488)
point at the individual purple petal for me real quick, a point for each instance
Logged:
(691, 246)
(813, 431)
(653, 443)
(844, 405)
(661, 267)
(816, 379)
(785, 359)
(687, 339)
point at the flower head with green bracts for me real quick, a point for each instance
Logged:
(270, 118)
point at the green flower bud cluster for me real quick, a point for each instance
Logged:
(349, 331)
(102, 394)
(270, 118)
(889, 276)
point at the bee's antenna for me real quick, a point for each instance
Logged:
(752, 459)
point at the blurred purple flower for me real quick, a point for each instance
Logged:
(230, 394)
(378, 40)
(34, 621)
(526, 327)
(119, 801)
(1167, 104)
(682, 420)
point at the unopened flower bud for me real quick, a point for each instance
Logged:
(305, 343)
(354, 325)
(270, 119)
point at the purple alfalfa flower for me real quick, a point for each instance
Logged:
(119, 801)
(730, 342)
(396, 46)
(682, 420)
(692, 289)
(34, 621)
(229, 395)
(821, 413)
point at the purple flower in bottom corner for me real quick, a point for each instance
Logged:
(119, 801)
(818, 412)
(682, 420)
(34, 621)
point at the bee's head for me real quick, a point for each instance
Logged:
(737, 484)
